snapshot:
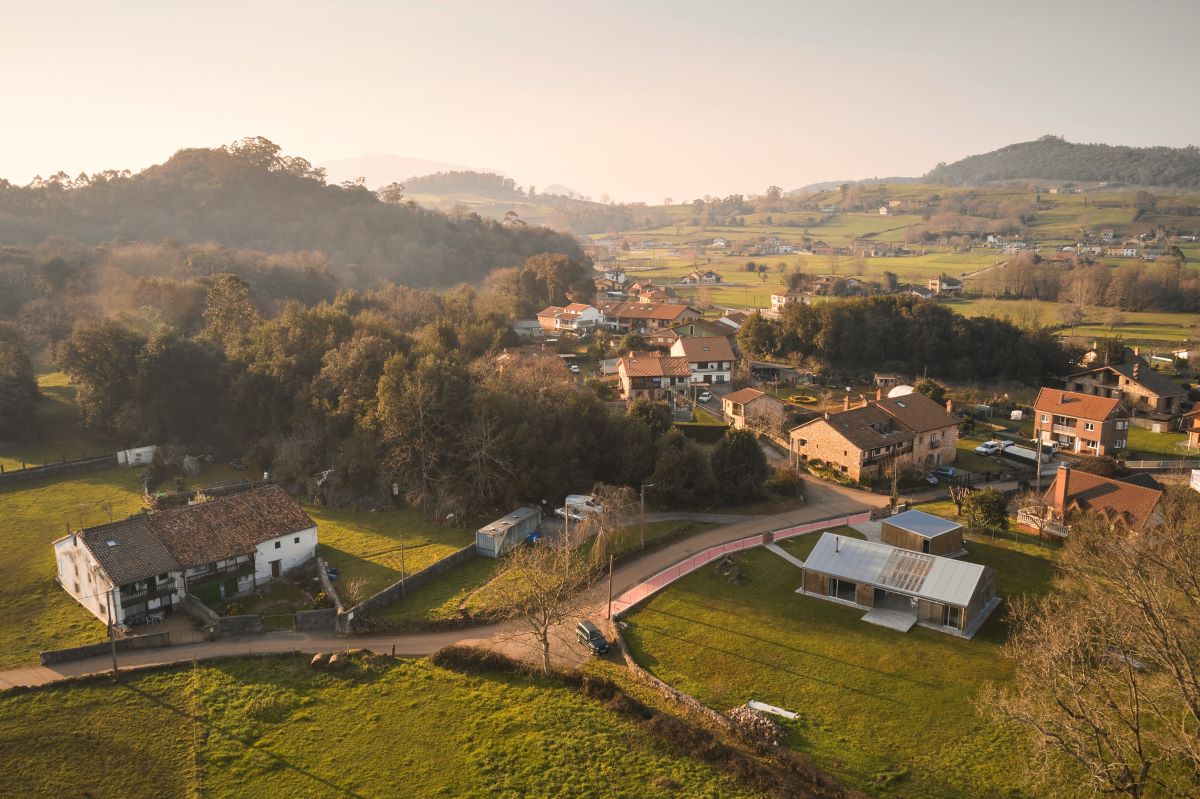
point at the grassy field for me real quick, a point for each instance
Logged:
(368, 545)
(38, 614)
(1137, 326)
(386, 727)
(889, 713)
(60, 436)
(1147, 445)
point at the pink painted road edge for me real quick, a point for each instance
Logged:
(644, 590)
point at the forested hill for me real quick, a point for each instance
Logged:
(1053, 158)
(250, 195)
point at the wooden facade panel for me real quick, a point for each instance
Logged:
(815, 582)
(864, 594)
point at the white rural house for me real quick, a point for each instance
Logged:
(216, 549)
(710, 358)
(577, 317)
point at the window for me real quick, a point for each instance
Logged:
(278, 544)
(1120, 444)
(1045, 418)
(1089, 426)
(77, 588)
(1122, 425)
(296, 540)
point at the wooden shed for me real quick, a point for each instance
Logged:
(922, 532)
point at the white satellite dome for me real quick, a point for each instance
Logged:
(900, 391)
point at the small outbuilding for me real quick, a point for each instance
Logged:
(922, 532)
(499, 537)
(900, 588)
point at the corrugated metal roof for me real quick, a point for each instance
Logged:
(922, 523)
(914, 573)
(500, 527)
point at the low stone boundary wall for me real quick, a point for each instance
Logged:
(245, 624)
(52, 469)
(149, 641)
(327, 584)
(688, 702)
(401, 587)
(322, 619)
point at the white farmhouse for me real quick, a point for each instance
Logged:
(217, 549)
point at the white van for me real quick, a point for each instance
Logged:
(583, 503)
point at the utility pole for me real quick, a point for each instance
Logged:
(112, 638)
(642, 515)
(1038, 467)
(610, 570)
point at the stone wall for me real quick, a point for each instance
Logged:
(322, 619)
(54, 469)
(402, 587)
(688, 702)
(104, 647)
(246, 624)
(327, 584)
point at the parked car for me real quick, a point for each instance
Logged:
(991, 447)
(929, 478)
(705, 396)
(943, 471)
(1047, 446)
(583, 503)
(590, 636)
(574, 369)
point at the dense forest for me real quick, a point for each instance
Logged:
(249, 195)
(899, 332)
(1053, 158)
(397, 391)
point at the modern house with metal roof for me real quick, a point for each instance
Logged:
(124, 571)
(923, 532)
(899, 587)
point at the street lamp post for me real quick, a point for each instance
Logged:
(642, 517)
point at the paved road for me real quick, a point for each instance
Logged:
(824, 501)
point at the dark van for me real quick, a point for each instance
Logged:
(591, 637)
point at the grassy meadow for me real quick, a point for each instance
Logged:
(384, 727)
(892, 714)
(60, 437)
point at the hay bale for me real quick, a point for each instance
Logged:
(338, 661)
(320, 660)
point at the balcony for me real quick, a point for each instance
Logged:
(211, 574)
(160, 588)
(1063, 429)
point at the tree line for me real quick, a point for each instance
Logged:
(905, 333)
(395, 392)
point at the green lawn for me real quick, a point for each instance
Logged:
(385, 727)
(60, 437)
(1147, 445)
(800, 546)
(369, 544)
(440, 599)
(38, 614)
(892, 714)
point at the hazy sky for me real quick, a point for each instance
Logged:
(641, 100)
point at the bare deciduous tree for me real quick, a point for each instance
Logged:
(541, 588)
(1108, 662)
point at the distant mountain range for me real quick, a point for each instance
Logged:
(1054, 158)
(380, 169)
(826, 185)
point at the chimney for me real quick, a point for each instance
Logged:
(1136, 364)
(878, 394)
(846, 403)
(949, 406)
(1060, 487)
(826, 415)
(1137, 351)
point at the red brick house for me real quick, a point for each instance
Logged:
(1081, 423)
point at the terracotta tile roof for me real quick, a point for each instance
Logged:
(194, 535)
(702, 327)
(1073, 403)
(744, 396)
(865, 427)
(703, 348)
(1147, 378)
(642, 364)
(552, 311)
(1087, 492)
(917, 412)
(136, 551)
(647, 310)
